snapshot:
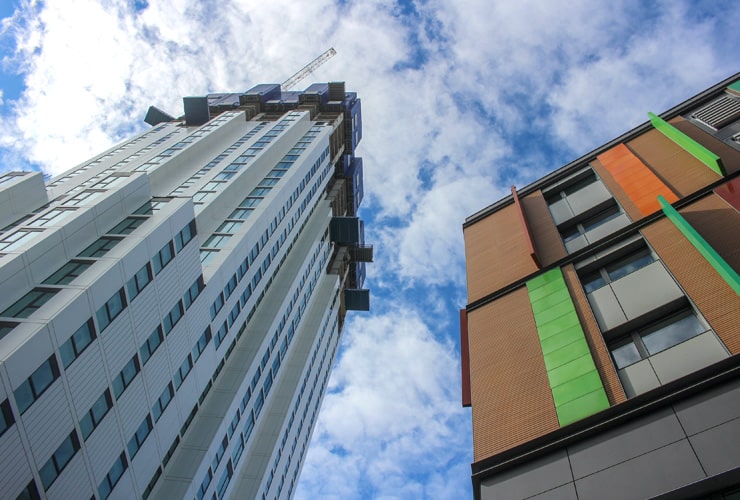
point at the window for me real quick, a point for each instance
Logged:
(172, 317)
(230, 286)
(223, 483)
(217, 241)
(657, 337)
(258, 404)
(139, 281)
(234, 314)
(238, 449)
(248, 426)
(111, 309)
(183, 371)
(619, 268)
(59, 460)
(67, 273)
(221, 334)
(35, 385)
(137, 440)
(30, 492)
(184, 236)
(53, 216)
(6, 417)
(84, 196)
(124, 378)
(77, 343)
(30, 303)
(229, 227)
(17, 239)
(127, 225)
(204, 485)
(194, 291)
(240, 213)
(220, 452)
(164, 400)
(95, 415)
(217, 305)
(151, 345)
(207, 256)
(111, 479)
(101, 247)
(163, 257)
(202, 343)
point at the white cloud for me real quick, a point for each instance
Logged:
(391, 423)
(460, 100)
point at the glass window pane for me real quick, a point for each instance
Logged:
(629, 264)
(626, 355)
(672, 332)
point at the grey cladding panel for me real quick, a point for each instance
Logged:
(565, 492)
(710, 408)
(718, 448)
(687, 357)
(638, 378)
(529, 479)
(588, 197)
(625, 442)
(648, 475)
(645, 290)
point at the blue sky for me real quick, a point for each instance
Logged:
(461, 99)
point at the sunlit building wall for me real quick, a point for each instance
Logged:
(171, 308)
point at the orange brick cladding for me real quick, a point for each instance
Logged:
(714, 298)
(596, 344)
(511, 397)
(496, 253)
(680, 171)
(547, 241)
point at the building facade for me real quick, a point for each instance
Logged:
(171, 308)
(601, 339)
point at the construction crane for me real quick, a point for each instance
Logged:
(308, 69)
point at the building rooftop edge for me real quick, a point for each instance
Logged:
(565, 169)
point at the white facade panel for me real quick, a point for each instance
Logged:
(13, 462)
(270, 268)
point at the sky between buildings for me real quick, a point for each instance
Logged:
(461, 99)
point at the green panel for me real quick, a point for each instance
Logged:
(576, 388)
(551, 276)
(566, 354)
(562, 339)
(550, 300)
(569, 371)
(554, 313)
(701, 153)
(560, 325)
(582, 407)
(546, 289)
(735, 86)
(709, 253)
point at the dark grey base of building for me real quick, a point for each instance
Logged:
(682, 441)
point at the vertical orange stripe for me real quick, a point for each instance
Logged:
(637, 180)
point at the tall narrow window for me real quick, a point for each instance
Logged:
(77, 343)
(35, 385)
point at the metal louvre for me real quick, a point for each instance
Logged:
(719, 112)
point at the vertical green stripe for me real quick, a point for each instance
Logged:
(575, 383)
(709, 253)
(701, 153)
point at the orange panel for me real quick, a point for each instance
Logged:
(637, 180)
